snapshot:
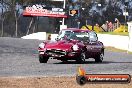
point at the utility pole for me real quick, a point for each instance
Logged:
(125, 13)
(64, 6)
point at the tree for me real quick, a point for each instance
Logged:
(2, 19)
(3, 15)
(15, 11)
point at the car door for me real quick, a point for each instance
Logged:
(94, 46)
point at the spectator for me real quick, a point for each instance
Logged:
(97, 25)
(49, 37)
(110, 25)
(107, 27)
(117, 23)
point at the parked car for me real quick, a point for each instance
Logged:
(72, 44)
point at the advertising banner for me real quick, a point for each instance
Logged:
(39, 10)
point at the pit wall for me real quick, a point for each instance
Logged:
(117, 41)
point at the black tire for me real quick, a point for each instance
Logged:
(64, 61)
(43, 59)
(81, 80)
(99, 58)
(81, 58)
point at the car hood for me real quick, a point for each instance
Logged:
(62, 45)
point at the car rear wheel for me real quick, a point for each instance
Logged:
(81, 58)
(43, 59)
(99, 57)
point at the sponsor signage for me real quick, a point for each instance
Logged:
(73, 12)
(83, 78)
(38, 10)
(125, 13)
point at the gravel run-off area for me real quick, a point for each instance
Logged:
(52, 82)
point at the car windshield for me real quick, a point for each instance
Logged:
(62, 34)
(73, 35)
(81, 36)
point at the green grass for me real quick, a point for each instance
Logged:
(113, 33)
(116, 50)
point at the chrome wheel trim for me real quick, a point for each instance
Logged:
(101, 56)
(83, 56)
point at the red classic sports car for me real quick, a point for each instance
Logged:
(72, 44)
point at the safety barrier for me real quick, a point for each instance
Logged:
(117, 41)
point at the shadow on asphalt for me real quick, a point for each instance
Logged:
(89, 62)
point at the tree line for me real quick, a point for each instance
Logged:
(13, 24)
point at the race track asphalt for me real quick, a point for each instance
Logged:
(19, 57)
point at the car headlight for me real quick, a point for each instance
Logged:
(41, 45)
(75, 47)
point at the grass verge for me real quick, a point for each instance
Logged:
(113, 33)
(109, 48)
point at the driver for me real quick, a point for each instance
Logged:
(73, 36)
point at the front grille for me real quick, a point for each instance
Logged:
(57, 53)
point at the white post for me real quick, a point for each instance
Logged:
(63, 21)
(130, 36)
(64, 6)
(86, 22)
(78, 24)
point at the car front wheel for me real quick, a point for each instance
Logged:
(43, 59)
(81, 58)
(99, 58)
